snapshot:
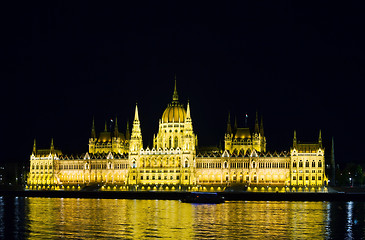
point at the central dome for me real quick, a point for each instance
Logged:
(174, 112)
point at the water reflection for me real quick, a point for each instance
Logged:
(39, 218)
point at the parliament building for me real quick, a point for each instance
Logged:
(118, 161)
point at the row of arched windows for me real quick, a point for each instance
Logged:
(307, 164)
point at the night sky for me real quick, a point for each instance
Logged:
(301, 66)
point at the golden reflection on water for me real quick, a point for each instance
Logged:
(141, 219)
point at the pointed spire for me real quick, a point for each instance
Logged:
(127, 133)
(262, 126)
(320, 135)
(188, 110)
(295, 138)
(34, 147)
(257, 123)
(52, 146)
(136, 136)
(105, 127)
(229, 127)
(116, 131)
(320, 138)
(93, 133)
(136, 118)
(175, 96)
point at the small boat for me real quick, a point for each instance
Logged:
(203, 197)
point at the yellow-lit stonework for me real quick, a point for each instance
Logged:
(117, 161)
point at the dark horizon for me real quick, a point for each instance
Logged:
(300, 66)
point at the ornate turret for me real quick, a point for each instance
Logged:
(136, 137)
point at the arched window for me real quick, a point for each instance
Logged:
(319, 163)
(301, 163)
(313, 164)
(170, 142)
(186, 164)
(225, 165)
(306, 163)
(176, 142)
(134, 164)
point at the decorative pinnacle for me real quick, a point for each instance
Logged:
(188, 111)
(136, 118)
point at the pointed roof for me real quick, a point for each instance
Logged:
(188, 110)
(105, 136)
(136, 118)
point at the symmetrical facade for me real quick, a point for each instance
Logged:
(117, 161)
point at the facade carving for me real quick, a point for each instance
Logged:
(117, 161)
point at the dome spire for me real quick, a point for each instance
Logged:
(175, 96)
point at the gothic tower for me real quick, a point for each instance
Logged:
(136, 137)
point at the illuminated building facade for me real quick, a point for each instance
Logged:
(117, 161)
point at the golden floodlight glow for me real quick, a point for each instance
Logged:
(117, 161)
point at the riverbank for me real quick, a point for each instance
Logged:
(176, 195)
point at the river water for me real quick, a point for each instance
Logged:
(68, 218)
